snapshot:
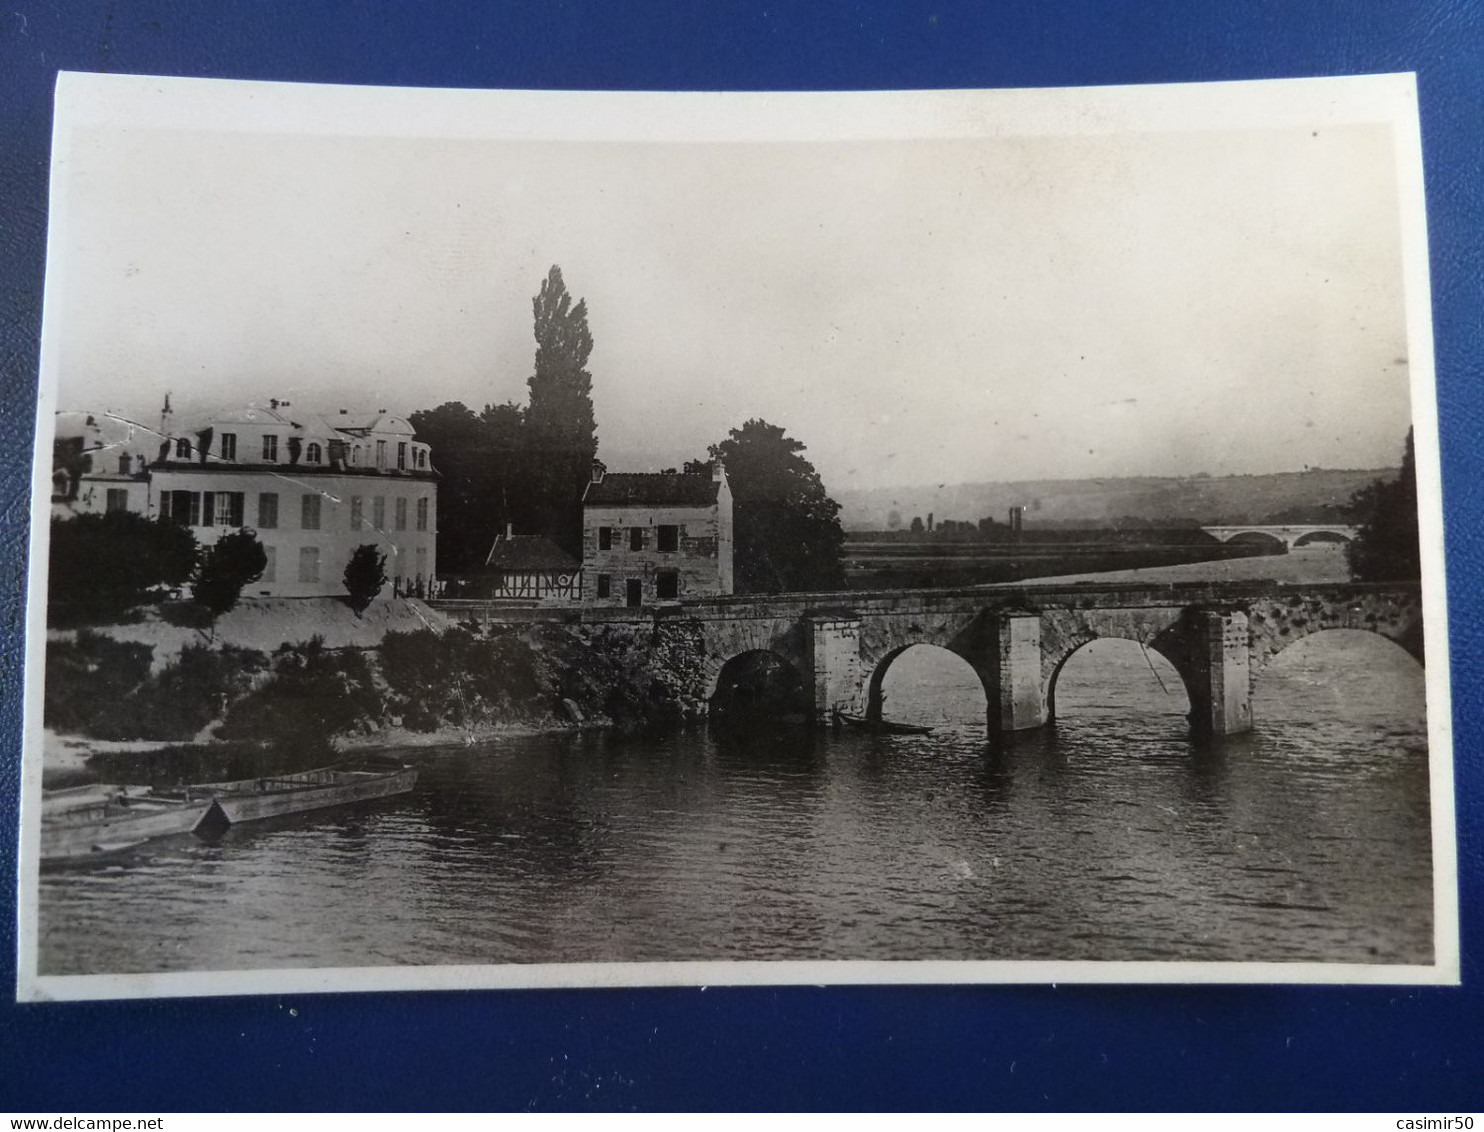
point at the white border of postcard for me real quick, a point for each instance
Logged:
(119, 101)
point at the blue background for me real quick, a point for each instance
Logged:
(997, 1048)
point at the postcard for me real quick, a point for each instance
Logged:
(520, 539)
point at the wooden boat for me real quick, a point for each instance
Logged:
(253, 799)
(881, 726)
(87, 822)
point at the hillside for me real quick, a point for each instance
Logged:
(1277, 497)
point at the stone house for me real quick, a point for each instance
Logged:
(651, 537)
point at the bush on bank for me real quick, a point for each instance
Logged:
(304, 696)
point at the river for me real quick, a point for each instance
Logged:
(1108, 837)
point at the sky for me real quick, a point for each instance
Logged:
(915, 312)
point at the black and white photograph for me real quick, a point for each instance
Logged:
(497, 538)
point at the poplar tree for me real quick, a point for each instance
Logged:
(561, 433)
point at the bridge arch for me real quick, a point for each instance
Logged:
(874, 692)
(1322, 534)
(1258, 538)
(759, 680)
(1276, 624)
(1166, 645)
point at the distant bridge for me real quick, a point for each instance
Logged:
(1290, 536)
(1216, 635)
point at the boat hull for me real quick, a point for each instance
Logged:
(112, 824)
(881, 726)
(258, 799)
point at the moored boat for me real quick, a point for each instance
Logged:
(882, 726)
(271, 796)
(87, 822)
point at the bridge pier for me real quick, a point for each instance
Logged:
(835, 661)
(1219, 683)
(1017, 700)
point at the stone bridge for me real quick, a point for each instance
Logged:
(1290, 536)
(1216, 635)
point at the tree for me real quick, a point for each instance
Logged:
(785, 528)
(561, 432)
(1386, 547)
(478, 459)
(917, 524)
(234, 561)
(102, 566)
(365, 576)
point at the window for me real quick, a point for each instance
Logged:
(227, 509)
(229, 446)
(605, 585)
(381, 453)
(126, 464)
(636, 538)
(270, 449)
(118, 499)
(378, 513)
(357, 513)
(270, 571)
(422, 513)
(633, 592)
(183, 507)
(422, 457)
(208, 508)
(355, 454)
(401, 512)
(605, 538)
(309, 562)
(401, 455)
(313, 453)
(309, 512)
(667, 585)
(669, 539)
(268, 511)
(182, 449)
(422, 568)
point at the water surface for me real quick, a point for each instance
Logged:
(1107, 837)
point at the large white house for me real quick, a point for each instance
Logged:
(312, 487)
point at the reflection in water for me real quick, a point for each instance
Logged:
(1107, 837)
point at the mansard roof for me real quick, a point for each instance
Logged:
(529, 552)
(652, 489)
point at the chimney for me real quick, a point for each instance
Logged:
(718, 471)
(509, 531)
(598, 470)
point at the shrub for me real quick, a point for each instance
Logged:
(103, 566)
(102, 688)
(314, 694)
(365, 575)
(86, 679)
(234, 561)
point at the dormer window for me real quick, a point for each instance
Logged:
(313, 454)
(182, 449)
(126, 464)
(270, 449)
(229, 446)
(401, 455)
